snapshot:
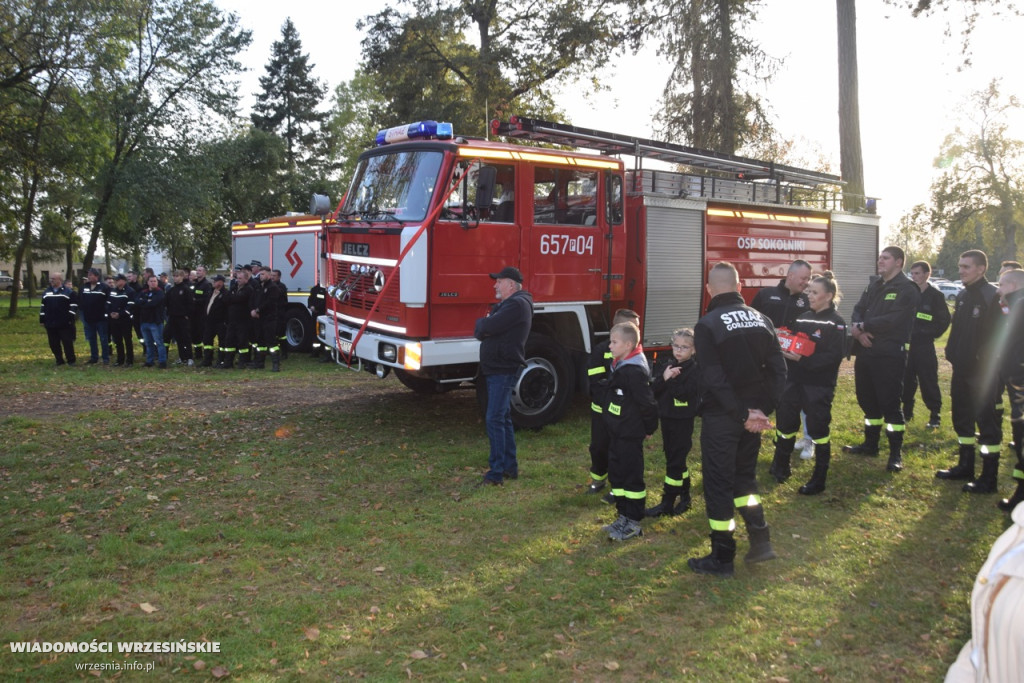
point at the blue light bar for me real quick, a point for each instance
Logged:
(421, 130)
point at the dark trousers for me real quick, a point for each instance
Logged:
(598, 447)
(814, 401)
(62, 343)
(973, 405)
(879, 384)
(179, 329)
(214, 330)
(238, 339)
(729, 468)
(922, 369)
(626, 474)
(677, 440)
(121, 333)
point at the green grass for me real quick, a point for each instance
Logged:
(323, 523)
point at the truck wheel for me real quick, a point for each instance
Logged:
(542, 390)
(298, 329)
(421, 385)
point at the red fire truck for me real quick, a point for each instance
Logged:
(428, 215)
(291, 244)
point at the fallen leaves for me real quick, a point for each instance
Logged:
(148, 608)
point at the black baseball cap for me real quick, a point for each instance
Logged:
(218, 278)
(121, 276)
(509, 273)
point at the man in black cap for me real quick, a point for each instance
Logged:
(215, 321)
(502, 334)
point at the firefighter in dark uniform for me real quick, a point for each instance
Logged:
(743, 372)
(930, 323)
(58, 312)
(120, 306)
(240, 304)
(881, 323)
(201, 289)
(282, 308)
(598, 372)
(784, 302)
(317, 305)
(215, 321)
(266, 315)
(1011, 290)
(972, 389)
(179, 308)
(811, 383)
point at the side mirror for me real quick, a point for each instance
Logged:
(320, 205)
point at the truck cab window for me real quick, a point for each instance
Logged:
(394, 185)
(564, 196)
(501, 208)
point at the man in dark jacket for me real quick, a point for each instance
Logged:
(502, 334)
(215, 321)
(743, 374)
(922, 364)
(881, 324)
(93, 304)
(317, 305)
(119, 310)
(179, 311)
(57, 313)
(972, 389)
(149, 306)
(784, 302)
(1011, 291)
(201, 289)
(240, 303)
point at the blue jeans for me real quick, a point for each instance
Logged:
(153, 338)
(499, 427)
(102, 328)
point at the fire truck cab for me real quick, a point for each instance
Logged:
(428, 215)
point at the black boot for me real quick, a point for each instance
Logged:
(986, 483)
(895, 463)
(760, 545)
(1007, 504)
(207, 358)
(822, 456)
(684, 496)
(964, 468)
(227, 361)
(665, 507)
(870, 445)
(275, 362)
(719, 561)
(781, 467)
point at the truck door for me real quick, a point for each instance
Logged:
(465, 247)
(566, 241)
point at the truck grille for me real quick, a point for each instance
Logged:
(360, 293)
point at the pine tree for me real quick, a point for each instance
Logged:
(287, 107)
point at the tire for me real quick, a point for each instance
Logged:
(422, 385)
(542, 390)
(298, 329)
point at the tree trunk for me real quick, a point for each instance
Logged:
(851, 162)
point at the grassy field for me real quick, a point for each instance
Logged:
(321, 523)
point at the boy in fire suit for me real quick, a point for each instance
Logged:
(743, 372)
(677, 390)
(630, 414)
(597, 374)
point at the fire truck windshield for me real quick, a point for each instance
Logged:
(394, 186)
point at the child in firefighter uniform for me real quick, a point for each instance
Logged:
(599, 370)
(630, 414)
(677, 390)
(811, 381)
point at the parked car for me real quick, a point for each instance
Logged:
(6, 283)
(948, 289)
